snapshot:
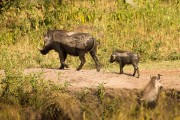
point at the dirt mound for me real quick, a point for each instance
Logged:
(91, 79)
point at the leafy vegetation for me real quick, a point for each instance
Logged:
(30, 97)
(152, 30)
(122, 104)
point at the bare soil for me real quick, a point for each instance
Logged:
(170, 79)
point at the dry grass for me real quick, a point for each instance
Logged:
(151, 30)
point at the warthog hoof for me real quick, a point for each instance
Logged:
(61, 67)
(78, 69)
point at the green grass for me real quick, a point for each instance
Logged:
(151, 30)
(160, 65)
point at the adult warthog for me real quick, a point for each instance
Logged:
(72, 43)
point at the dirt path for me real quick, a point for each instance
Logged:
(90, 78)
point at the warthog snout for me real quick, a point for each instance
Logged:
(111, 61)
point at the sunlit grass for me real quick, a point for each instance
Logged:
(151, 30)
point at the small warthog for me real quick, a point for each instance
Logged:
(72, 43)
(151, 91)
(125, 57)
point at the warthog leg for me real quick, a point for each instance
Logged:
(93, 55)
(136, 69)
(82, 59)
(121, 67)
(62, 61)
(62, 57)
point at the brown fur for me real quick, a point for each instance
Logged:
(150, 85)
(151, 91)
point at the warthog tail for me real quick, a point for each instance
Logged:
(94, 47)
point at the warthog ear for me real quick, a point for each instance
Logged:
(158, 76)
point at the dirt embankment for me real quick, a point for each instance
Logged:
(121, 92)
(90, 78)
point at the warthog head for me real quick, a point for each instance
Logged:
(113, 58)
(47, 39)
(47, 43)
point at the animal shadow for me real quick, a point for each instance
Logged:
(128, 74)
